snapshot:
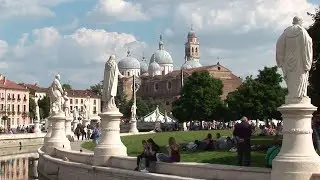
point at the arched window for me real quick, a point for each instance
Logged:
(169, 85)
(219, 68)
(196, 50)
(192, 50)
(128, 73)
(156, 86)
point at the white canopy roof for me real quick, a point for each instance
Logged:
(156, 115)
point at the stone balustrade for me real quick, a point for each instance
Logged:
(18, 140)
(81, 162)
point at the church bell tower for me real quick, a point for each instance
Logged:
(192, 47)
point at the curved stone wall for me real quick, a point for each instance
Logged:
(17, 140)
(65, 164)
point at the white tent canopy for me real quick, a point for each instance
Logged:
(156, 115)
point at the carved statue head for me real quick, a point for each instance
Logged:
(58, 76)
(297, 20)
(112, 58)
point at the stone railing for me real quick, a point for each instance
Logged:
(190, 170)
(55, 168)
(18, 140)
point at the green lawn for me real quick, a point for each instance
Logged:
(134, 147)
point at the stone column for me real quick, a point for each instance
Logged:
(110, 143)
(58, 137)
(297, 159)
(69, 133)
(49, 130)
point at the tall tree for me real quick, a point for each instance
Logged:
(97, 88)
(142, 108)
(32, 108)
(314, 88)
(66, 86)
(44, 105)
(258, 98)
(200, 98)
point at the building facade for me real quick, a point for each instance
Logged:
(159, 82)
(14, 104)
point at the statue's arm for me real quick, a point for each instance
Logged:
(280, 50)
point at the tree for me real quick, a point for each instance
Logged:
(142, 108)
(44, 105)
(66, 86)
(32, 108)
(97, 88)
(258, 98)
(314, 31)
(200, 98)
(121, 98)
(152, 105)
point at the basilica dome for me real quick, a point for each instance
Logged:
(129, 63)
(161, 56)
(154, 66)
(191, 64)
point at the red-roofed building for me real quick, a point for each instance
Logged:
(14, 104)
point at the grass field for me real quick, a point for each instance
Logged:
(134, 147)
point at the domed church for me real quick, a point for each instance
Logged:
(159, 80)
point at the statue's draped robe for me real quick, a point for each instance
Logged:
(56, 96)
(294, 56)
(110, 82)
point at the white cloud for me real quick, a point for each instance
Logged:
(28, 8)
(79, 56)
(110, 10)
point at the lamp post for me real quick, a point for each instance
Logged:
(133, 121)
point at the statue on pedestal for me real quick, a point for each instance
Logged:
(55, 95)
(110, 83)
(66, 104)
(86, 110)
(294, 56)
(133, 111)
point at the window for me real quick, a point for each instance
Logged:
(156, 86)
(196, 50)
(169, 85)
(128, 73)
(76, 101)
(12, 107)
(24, 108)
(81, 101)
(81, 108)
(94, 110)
(8, 107)
(71, 108)
(71, 101)
(219, 68)
(19, 97)
(94, 102)
(18, 108)
(9, 96)
(13, 96)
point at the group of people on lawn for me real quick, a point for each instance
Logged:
(241, 140)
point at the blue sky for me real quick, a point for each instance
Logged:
(74, 37)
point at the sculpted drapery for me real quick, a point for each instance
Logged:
(55, 95)
(294, 56)
(110, 83)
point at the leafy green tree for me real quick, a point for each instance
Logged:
(152, 105)
(200, 98)
(314, 31)
(258, 98)
(66, 86)
(97, 88)
(32, 108)
(142, 108)
(44, 105)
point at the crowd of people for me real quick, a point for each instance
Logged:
(91, 131)
(19, 129)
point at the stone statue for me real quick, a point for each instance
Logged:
(75, 114)
(133, 111)
(55, 95)
(86, 109)
(294, 56)
(66, 104)
(110, 83)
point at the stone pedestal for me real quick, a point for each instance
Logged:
(110, 143)
(297, 159)
(37, 126)
(69, 133)
(74, 124)
(133, 126)
(58, 137)
(49, 130)
(184, 126)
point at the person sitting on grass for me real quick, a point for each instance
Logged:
(273, 151)
(222, 143)
(142, 155)
(150, 155)
(206, 144)
(173, 150)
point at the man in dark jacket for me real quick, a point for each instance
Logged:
(242, 133)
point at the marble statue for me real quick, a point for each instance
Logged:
(75, 114)
(133, 111)
(55, 95)
(66, 104)
(110, 83)
(294, 56)
(86, 109)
